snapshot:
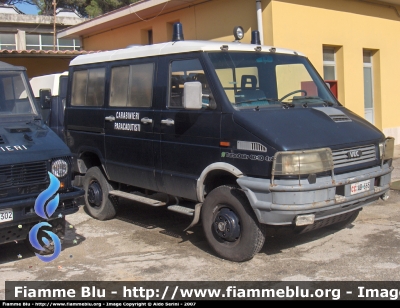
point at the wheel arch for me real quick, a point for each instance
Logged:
(88, 158)
(215, 175)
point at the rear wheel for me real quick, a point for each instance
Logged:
(98, 202)
(230, 225)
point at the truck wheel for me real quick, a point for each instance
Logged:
(98, 202)
(230, 225)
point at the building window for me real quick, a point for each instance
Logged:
(150, 37)
(69, 44)
(329, 60)
(7, 41)
(46, 42)
(368, 86)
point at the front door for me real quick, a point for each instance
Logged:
(189, 138)
(129, 124)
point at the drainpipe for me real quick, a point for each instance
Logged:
(259, 21)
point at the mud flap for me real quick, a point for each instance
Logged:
(196, 216)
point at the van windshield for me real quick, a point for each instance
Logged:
(14, 98)
(252, 80)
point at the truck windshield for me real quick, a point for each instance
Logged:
(14, 98)
(261, 80)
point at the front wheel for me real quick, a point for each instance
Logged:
(98, 202)
(230, 225)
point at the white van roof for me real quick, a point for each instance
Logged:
(170, 48)
(50, 81)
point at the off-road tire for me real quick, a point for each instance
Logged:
(222, 207)
(98, 202)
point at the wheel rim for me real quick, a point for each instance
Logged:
(226, 225)
(95, 194)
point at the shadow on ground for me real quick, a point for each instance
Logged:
(173, 224)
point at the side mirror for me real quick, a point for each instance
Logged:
(192, 95)
(45, 98)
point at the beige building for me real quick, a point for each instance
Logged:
(29, 40)
(352, 42)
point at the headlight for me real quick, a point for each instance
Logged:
(386, 148)
(59, 168)
(302, 162)
(238, 33)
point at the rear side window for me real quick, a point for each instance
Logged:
(88, 87)
(132, 85)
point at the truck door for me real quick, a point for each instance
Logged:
(189, 138)
(129, 121)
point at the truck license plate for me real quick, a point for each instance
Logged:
(6, 215)
(359, 187)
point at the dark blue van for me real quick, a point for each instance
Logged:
(241, 137)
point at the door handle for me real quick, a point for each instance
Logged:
(168, 122)
(146, 120)
(110, 118)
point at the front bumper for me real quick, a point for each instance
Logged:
(24, 216)
(282, 202)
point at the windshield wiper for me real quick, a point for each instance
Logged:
(254, 100)
(330, 104)
(286, 105)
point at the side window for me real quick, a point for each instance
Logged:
(95, 89)
(184, 71)
(132, 86)
(79, 85)
(88, 87)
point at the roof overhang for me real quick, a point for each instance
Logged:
(396, 2)
(42, 53)
(132, 13)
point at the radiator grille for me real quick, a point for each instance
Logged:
(1, 140)
(23, 174)
(344, 157)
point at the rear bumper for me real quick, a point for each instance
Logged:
(281, 203)
(24, 216)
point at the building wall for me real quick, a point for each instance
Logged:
(212, 20)
(350, 27)
(37, 66)
(304, 25)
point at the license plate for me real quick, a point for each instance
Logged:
(6, 215)
(360, 187)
